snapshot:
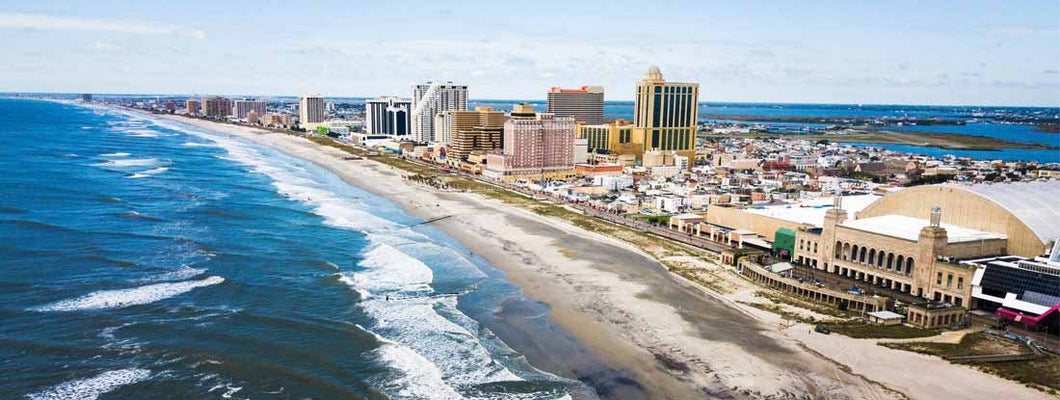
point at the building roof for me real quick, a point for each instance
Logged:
(781, 267)
(686, 216)
(1034, 203)
(812, 212)
(885, 315)
(908, 228)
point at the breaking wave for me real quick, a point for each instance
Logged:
(92, 388)
(108, 299)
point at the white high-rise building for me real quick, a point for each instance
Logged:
(240, 108)
(311, 110)
(388, 116)
(428, 100)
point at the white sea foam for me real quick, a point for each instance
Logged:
(419, 378)
(432, 353)
(197, 144)
(388, 269)
(148, 173)
(179, 274)
(432, 356)
(132, 162)
(92, 388)
(114, 155)
(107, 299)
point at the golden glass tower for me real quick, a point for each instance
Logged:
(668, 112)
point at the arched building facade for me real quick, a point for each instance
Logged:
(913, 240)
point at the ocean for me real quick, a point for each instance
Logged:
(145, 258)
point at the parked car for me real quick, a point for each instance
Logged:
(822, 329)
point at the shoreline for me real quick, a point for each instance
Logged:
(678, 337)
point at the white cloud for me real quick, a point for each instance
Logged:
(49, 22)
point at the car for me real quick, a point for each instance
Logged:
(822, 329)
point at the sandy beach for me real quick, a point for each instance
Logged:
(676, 340)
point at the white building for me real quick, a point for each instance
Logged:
(430, 99)
(311, 110)
(388, 116)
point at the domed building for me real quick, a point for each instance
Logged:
(918, 240)
(1027, 213)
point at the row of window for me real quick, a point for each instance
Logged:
(874, 258)
(805, 245)
(949, 281)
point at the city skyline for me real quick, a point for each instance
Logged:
(977, 54)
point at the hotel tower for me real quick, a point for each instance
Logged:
(668, 112)
(585, 104)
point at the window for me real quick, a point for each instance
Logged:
(960, 284)
(949, 280)
(938, 279)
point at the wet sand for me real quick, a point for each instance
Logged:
(623, 324)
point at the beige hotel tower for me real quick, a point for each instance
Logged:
(668, 113)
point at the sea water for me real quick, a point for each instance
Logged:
(144, 258)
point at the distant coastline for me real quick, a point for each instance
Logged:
(948, 141)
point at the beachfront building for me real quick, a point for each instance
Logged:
(310, 110)
(913, 240)
(241, 107)
(466, 131)
(668, 112)
(1019, 289)
(585, 104)
(194, 107)
(539, 147)
(216, 107)
(430, 99)
(389, 116)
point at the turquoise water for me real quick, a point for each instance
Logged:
(148, 259)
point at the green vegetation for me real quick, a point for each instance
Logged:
(868, 331)
(819, 308)
(1041, 373)
(653, 219)
(973, 344)
(654, 245)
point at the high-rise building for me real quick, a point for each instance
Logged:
(311, 110)
(216, 107)
(478, 130)
(428, 100)
(542, 146)
(668, 112)
(193, 106)
(388, 116)
(241, 107)
(585, 104)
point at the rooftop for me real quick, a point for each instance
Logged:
(908, 228)
(812, 212)
(886, 315)
(1034, 203)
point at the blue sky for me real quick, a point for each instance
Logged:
(967, 52)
